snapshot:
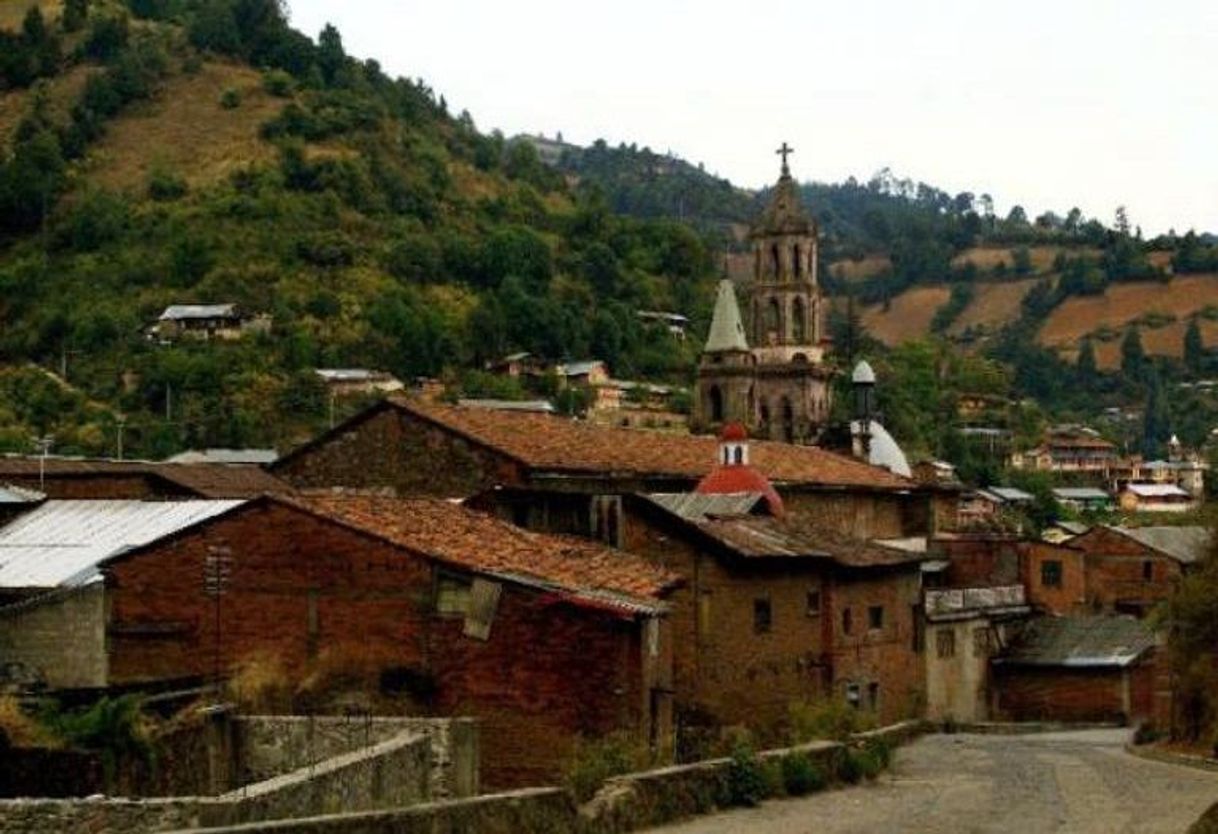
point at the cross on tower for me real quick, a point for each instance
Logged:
(785, 151)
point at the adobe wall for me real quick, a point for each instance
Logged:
(1114, 570)
(957, 686)
(1071, 595)
(861, 514)
(59, 642)
(398, 452)
(1059, 694)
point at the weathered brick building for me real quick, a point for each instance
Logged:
(556, 474)
(545, 639)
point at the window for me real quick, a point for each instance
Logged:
(520, 515)
(875, 617)
(981, 642)
(606, 519)
(853, 695)
(847, 620)
(945, 643)
(919, 629)
(1148, 570)
(452, 595)
(1051, 573)
(799, 322)
(761, 615)
(716, 404)
(873, 696)
(813, 608)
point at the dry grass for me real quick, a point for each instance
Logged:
(988, 257)
(1121, 303)
(868, 266)
(20, 729)
(908, 317)
(1160, 341)
(260, 684)
(1160, 260)
(12, 12)
(62, 92)
(994, 304)
(186, 131)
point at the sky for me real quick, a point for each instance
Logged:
(1088, 103)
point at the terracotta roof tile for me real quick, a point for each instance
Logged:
(563, 445)
(466, 538)
(205, 480)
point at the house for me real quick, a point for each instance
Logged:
(1083, 499)
(1070, 449)
(66, 477)
(16, 500)
(1062, 531)
(547, 472)
(592, 376)
(529, 406)
(1155, 498)
(344, 382)
(775, 610)
(438, 608)
(935, 472)
(965, 628)
(225, 322)
(674, 323)
(516, 365)
(1097, 668)
(1113, 569)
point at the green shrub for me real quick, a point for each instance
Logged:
(278, 83)
(594, 761)
(800, 776)
(230, 99)
(112, 727)
(828, 719)
(746, 782)
(1146, 733)
(164, 185)
(847, 767)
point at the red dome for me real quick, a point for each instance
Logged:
(735, 478)
(734, 432)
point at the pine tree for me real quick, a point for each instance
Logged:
(75, 13)
(1133, 357)
(1086, 367)
(1194, 350)
(1156, 423)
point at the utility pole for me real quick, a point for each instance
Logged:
(44, 444)
(121, 420)
(332, 396)
(217, 570)
(168, 402)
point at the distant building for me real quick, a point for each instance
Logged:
(675, 323)
(253, 457)
(1083, 499)
(223, 322)
(533, 406)
(1156, 498)
(1070, 449)
(934, 472)
(516, 365)
(347, 381)
(592, 375)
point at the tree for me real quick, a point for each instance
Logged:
(75, 13)
(214, 28)
(1156, 423)
(1122, 221)
(1133, 357)
(1086, 368)
(1017, 216)
(1194, 350)
(330, 54)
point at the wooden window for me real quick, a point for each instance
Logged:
(854, 695)
(919, 629)
(452, 595)
(606, 519)
(813, 606)
(762, 615)
(945, 643)
(481, 604)
(847, 620)
(873, 696)
(875, 617)
(1148, 570)
(981, 642)
(1051, 573)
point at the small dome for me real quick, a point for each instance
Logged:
(863, 374)
(734, 432)
(732, 479)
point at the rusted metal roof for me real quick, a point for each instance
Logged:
(1186, 544)
(62, 543)
(695, 506)
(1080, 642)
(205, 480)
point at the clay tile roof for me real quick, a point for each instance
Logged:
(559, 444)
(479, 542)
(204, 480)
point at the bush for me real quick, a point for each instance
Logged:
(746, 782)
(1146, 733)
(18, 728)
(848, 767)
(800, 776)
(867, 762)
(278, 83)
(230, 99)
(829, 719)
(112, 727)
(596, 760)
(165, 185)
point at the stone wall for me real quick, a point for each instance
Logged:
(58, 640)
(268, 745)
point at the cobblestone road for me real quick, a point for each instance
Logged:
(1061, 782)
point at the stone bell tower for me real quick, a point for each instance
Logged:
(786, 318)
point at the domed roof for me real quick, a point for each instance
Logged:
(884, 449)
(735, 432)
(863, 374)
(735, 478)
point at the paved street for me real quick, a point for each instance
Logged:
(1064, 782)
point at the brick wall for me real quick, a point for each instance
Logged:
(1059, 694)
(60, 641)
(887, 657)
(1070, 595)
(548, 673)
(1115, 571)
(978, 561)
(860, 514)
(393, 450)
(99, 486)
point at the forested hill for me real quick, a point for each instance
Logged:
(168, 151)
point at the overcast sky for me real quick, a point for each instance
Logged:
(1049, 104)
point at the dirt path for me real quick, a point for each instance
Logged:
(1065, 782)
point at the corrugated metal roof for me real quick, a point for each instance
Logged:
(1186, 544)
(1080, 642)
(1157, 491)
(178, 312)
(16, 495)
(1005, 494)
(64, 542)
(1080, 494)
(256, 457)
(695, 506)
(538, 406)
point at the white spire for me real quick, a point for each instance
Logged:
(726, 330)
